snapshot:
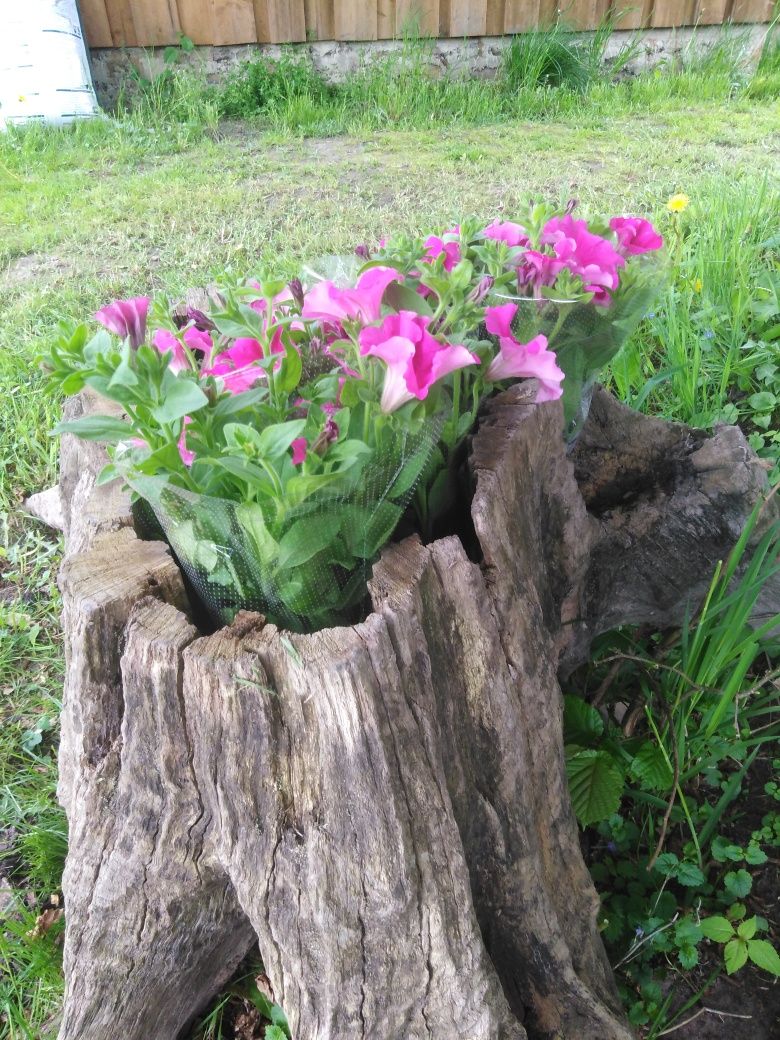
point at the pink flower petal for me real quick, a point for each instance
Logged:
(126, 318)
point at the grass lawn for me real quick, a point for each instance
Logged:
(102, 213)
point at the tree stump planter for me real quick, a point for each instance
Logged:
(383, 807)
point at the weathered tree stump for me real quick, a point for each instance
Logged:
(383, 807)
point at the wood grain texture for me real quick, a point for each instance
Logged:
(521, 15)
(94, 23)
(320, 19)
(218, 22)
(584, 14)
(632, 14)
(673, 13)
(753, 10)
(383, 806)
(713, 12)
(467, 18)
(355, 21)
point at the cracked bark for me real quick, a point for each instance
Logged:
(382, 807)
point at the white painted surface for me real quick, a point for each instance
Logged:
(44, 72)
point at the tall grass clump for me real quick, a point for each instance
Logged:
(176, 95)
(269, 86)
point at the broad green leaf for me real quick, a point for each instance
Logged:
(748, 928)
(251, 518)
(595, 785)
(275, 440)
(735, 955)
(723, 850)
(182, 397)
(688, 956)
(738, 883)
(651, 769)
(289, 375)
(667, 864)
(764, 955)
(306, 538)
(689, 874)
(754, 855)
(96, 428)
(717, 928)
(403, 298)
(275, 1033)
(582, 724)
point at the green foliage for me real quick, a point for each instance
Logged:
(266, 86)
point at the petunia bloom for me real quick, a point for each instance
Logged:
(198, 340)
(592, 258)
(435, 246)
(415, 359)
(126, 318)
(237, 367)
(506, 231)
(299, 447)
(166, 342)
(536, 269)
(327, 302)
(517, 360)
(187, 456)
(635, 235)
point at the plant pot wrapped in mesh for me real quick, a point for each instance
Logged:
(303, 566)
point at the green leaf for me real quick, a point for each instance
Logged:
(582, 724)
(688, 956)
(182, 397)
(251, 518)
(690, 875)
(722, 850)
(651, 769)
(748, 928)
(595, 785)
(717, 928)
(306, 538)
(735, 955)
(97, 428)
(403, 298)
(738, 883)
(275, 440)
(667, 864)
(754, 855)
(275, 1033)
(289, 374)
(764, 955)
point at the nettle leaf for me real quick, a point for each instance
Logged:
(735, 955)
(651, 769)
(688, 956)
(717, 928)
(689, 874)
(595, 785)
(582, 724)
(764, 955)
(96, 428)
(667, 864)
(738, 883)
(754, 855)
(748, 928)
(182, 396)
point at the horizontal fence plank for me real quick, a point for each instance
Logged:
(149, 23)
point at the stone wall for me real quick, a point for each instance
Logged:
(478, 56)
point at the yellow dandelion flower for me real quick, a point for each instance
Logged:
(698, 285)
(677, 203)
(22, 98)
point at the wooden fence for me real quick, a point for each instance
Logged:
(147, 23)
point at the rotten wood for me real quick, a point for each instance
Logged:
(383, 807)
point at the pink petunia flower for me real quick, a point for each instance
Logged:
(635, 235)
(415, 359)
(517, 360)
(592, 258)
(329, 303)
(165, 341)
(506, 231)
(435, 246)
(126, 318)
(198, 340)
(237, 367)
(187, 456)
(536, 269)
(299, 447)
